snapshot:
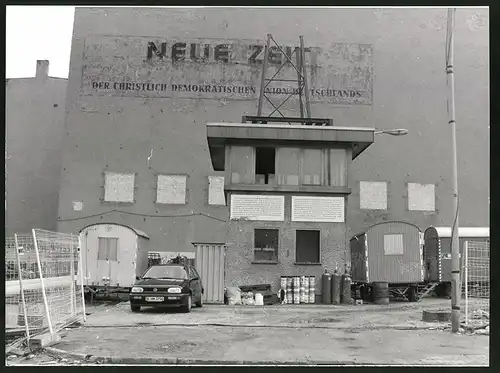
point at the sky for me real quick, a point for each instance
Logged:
(38, 33)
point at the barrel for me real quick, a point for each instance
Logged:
(326, 288)
(306, 289)
(312, 289)
(289, 290)
(302, 289)
(283, 289)
(346, 289)
(296, 290)
(381, 293)
(336, 287)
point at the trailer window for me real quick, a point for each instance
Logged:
(266, 245)
(307, 246)
(108, 248)
(393, 244)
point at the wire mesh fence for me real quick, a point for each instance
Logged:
(40, 282)
(476, 283)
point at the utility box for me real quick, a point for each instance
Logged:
(287, 186)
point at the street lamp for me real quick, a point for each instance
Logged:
(393, 132)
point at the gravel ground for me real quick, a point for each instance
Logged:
(368, 334)
(383, 346)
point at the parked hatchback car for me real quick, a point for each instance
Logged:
(167, 285)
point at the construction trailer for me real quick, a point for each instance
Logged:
(112, 256)
(390, 252)
(437, 252)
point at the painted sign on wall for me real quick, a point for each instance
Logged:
(222, 69)
(255, 207)
(318, 209)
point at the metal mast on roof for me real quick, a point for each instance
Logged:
(301, 80)
(303, 90)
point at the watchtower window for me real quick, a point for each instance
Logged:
(265, 158)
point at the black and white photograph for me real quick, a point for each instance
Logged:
(247, 186)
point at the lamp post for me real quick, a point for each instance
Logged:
(393, 132)
(455, 260)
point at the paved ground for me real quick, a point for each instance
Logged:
(367, 334)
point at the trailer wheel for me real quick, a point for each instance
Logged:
(135, 308)
(412, 294)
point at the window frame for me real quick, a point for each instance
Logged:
(278, 230)
(320, 231)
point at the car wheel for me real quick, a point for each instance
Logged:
(187, 308)
(135, 308)
(200, 303)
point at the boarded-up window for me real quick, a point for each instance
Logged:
(216, 190)
(421, 197)
(373, 195)
(393, 244)
(266, 245)
(336, 167)
(118, 187)
(307, 246)
(171, 189)
(108, 248)
(288, 166)
(311, 166)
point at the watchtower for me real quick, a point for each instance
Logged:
(287, 186)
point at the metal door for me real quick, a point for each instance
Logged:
(432, 256)
(210, 265)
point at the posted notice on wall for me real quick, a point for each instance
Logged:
(318, 209)
(257, 207)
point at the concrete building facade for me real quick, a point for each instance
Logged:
(34, 118)
(144, 82)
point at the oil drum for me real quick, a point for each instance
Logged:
(306, 289)
(302, 289)
(296, 290)
(283, 295)
(289, 290)
(381, 293)
(312, 289)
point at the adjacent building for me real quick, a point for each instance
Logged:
(144, 82)
(34, 118)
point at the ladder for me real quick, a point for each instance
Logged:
(299, 66)
(427, 290)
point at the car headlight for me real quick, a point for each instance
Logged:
(174, 290)
(137, 290)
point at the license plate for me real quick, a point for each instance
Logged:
(154, 299)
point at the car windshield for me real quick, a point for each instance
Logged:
(166, 272)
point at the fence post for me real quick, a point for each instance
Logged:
(466, 253)
(72, 274)
(44, 295)
(23, 301)
(80, 265)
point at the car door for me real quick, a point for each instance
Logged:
(195, 282)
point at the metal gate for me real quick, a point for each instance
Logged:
(210, 265)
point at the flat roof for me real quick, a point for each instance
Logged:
(358, 138)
